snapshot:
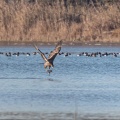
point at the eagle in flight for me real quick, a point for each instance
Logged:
(49, 61)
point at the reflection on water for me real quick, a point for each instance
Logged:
(90, 84)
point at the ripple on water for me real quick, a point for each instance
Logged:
(90, 82)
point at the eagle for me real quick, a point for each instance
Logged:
(48, 62)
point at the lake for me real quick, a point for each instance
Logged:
(78, 84)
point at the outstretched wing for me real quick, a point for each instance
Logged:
(55, 51)
(41, 53)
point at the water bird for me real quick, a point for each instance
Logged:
(46, 53)
(66, 54)
(34, 53)
(8, 54)
(62, 52)
(78, 54)
(59, 53)
(1, 52)
(93, 54)
(27, 54)
(69, 53)
(16, 54)
(49, 61)
(115, 54)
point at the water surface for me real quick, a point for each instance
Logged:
(90, 85)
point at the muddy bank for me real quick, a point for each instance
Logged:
(64, 43)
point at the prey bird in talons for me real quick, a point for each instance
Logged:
(49, 61)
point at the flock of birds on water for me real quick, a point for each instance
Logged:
(65, 54)
(48, 60)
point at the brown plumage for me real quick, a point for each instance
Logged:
(49, 61)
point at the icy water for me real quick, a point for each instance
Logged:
(86, 85)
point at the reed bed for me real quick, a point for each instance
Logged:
(22, 21)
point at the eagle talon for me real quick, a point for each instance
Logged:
(49, 71)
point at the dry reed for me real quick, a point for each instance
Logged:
(25, 22)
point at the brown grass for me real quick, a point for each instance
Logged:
(42, 22)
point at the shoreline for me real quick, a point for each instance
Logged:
(57, 115)
(68, 43)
